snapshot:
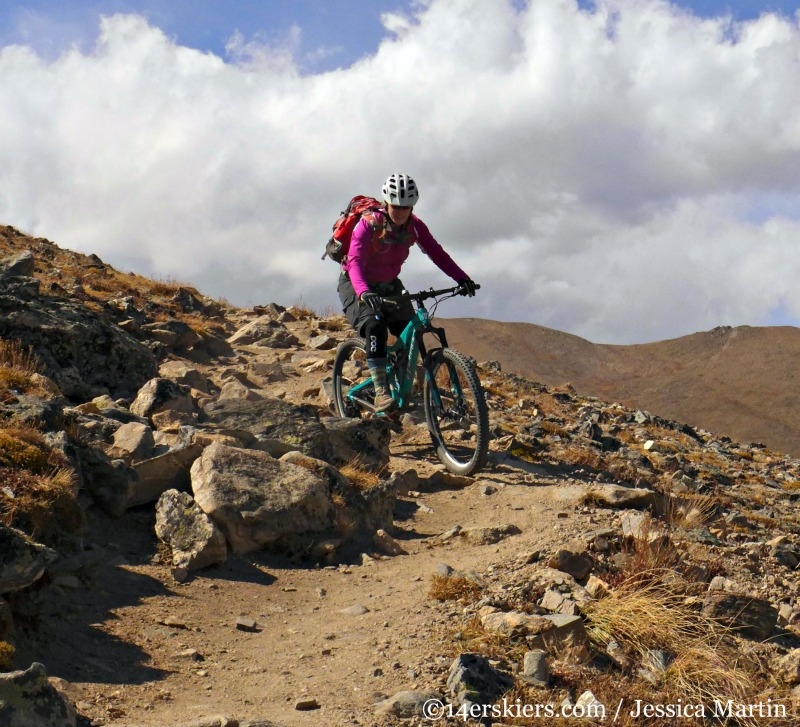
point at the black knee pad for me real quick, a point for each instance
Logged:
(375, 334)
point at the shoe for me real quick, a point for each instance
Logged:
(383, 402)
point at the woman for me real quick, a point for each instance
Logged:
(379, 246)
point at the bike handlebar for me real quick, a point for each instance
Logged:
(424, 294)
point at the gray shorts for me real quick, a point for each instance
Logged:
(358, 313)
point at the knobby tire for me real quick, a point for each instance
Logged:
(352, 351)
(459, 427)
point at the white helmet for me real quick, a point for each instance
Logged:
(400, 191)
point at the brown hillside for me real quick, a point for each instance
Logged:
(740, 382)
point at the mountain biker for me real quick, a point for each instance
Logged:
(379, 246)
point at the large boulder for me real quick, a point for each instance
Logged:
(364, 442)
(163, 472)
(264, 331)
(22, 562)
(84, 352)
(196, 542)
(258, 501)
(270, 424)
(358, 513)
(112, 483)
(160, 395)
(28, 699)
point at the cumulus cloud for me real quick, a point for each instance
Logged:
(625, 173)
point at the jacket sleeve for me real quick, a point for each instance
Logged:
(357, 256)
(436, 252)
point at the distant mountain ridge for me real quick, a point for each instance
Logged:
(740, 382)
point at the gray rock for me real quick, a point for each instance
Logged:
(472, 679)
(84, 352)
(269, 423)
(134, 441)
(358, 514)
(787, 667)
(387, 544)
(365, 441)
(196, 542)
(557, 602)
(572, 560)
(20, 265)
(752, 617)
(166, 471)
(45, 414)
(264, 331)
(22, 561)
(323, 342)
(182, 373)
(489, 535)
(112, 483)
(159, 395)
(357, 609)
(27, 699)
(535, 668)
(407, 704)
(258, 501)
(175, 335)
(619, 496)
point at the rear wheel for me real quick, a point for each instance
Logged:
(351, 379)
(456, 412)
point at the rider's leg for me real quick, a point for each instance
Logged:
(375, 335)
(383, 399)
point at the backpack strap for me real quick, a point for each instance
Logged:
(377, 221)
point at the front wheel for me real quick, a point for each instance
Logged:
(352, 383)
(456, 412)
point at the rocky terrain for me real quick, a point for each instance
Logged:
(188, 536)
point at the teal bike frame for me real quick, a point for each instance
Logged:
(404, 355)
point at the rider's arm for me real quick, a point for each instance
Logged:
(436, 252)
(356, 265)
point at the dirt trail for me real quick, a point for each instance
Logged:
(154, 652)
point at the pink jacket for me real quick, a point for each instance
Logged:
(378, 261)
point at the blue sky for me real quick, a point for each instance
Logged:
(625, 171)
(333, 33)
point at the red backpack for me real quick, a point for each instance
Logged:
(339, 244)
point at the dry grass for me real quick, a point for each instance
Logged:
(303, 312)
(167, 287)
(42, 505)
(704, 666)
(499, 393)
(361, 476)
(453, 588)
(689, 510)
(36, 486)
(59, 270)
(24, 448)
(19, 369)
(549, 405)
(473, 637)
(652, 558)
(13, 356)
(7, 652)
(616, 466)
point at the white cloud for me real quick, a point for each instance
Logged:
(625, 174)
